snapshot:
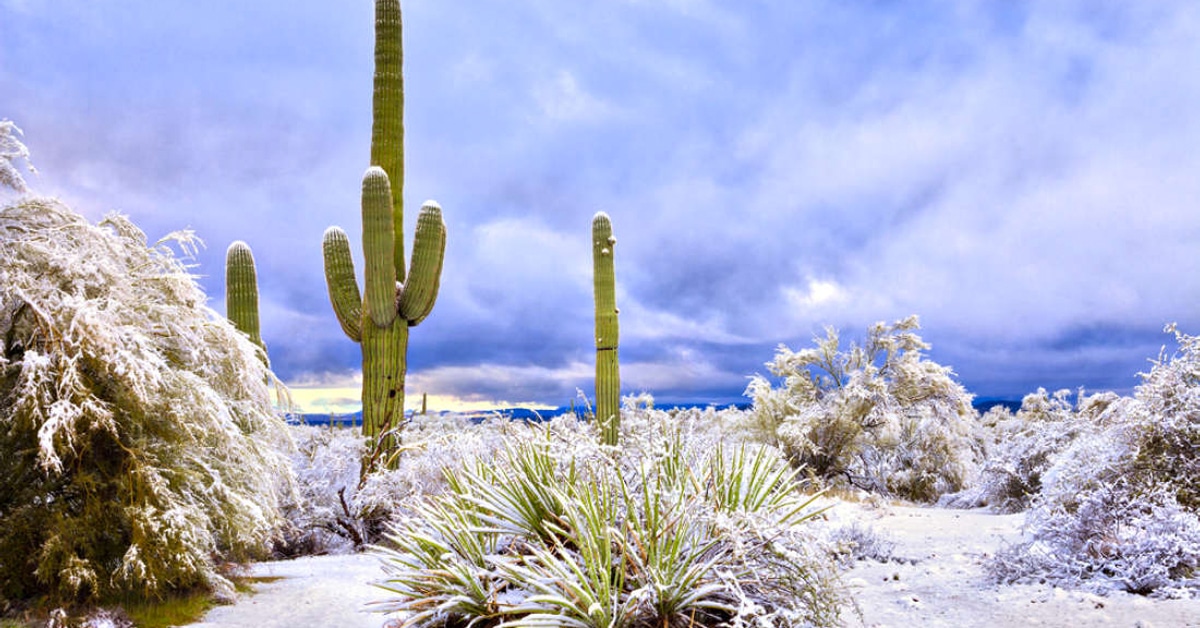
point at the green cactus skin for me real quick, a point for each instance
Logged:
(392, 300)
(241, 292)
(608, 376)
(387, 114)
(343, 287)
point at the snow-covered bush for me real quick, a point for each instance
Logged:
(671, 528)
(1020, 448)
(138, 440)
(337, 511)
(877, 416)
(1120, 507)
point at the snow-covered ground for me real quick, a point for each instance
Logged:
(935, 579)
(325, 591)
(941, 581)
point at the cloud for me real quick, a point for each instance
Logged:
(1022, 175)
(564, 100)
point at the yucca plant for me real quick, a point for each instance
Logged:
(554, 533)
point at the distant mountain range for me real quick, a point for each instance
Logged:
(982, 404)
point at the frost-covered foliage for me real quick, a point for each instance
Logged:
(12, 150)
(138, 440)
(1120, 507)
(673, 528)
(1022, 447)
(877, 416)
(337, 511)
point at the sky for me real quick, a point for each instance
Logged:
(1024, 176)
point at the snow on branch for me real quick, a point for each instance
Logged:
(12, 150)
(126, 405)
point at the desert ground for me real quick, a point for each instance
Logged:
(935, 577)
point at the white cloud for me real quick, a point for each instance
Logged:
(817, 294)
(564, 99)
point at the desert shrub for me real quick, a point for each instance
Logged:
(558, 530)
(138, 439)
(1118, 508)
(336, 511)
(1021, 447)
(878, 416)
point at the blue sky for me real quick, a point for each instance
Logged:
(1022, 175)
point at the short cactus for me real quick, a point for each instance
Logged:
(393, 298)
(608, 376)
(241, 292)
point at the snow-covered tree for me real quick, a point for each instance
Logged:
(138, 439)
(878, 416)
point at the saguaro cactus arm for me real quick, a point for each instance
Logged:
(342, 284)
(378, 247)
(608, 379)
(241, 291)
(425, 275)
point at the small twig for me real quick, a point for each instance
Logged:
(347, 522)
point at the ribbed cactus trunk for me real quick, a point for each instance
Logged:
(608, 377)
(241, 293)
(394, 297)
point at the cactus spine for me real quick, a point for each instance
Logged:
(393, 298)
(608, 377)
(241, 293)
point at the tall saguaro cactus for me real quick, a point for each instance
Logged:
(608, 377)
(241, 292)
(394, 298)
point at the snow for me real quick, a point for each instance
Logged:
(327, 591)
(935, 578)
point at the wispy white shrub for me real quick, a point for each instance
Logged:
(1120, 507)
(878, 416)
(138, 440)
(12, 151)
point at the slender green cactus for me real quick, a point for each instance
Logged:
(608, 376)
(241, 292)
(393, 298)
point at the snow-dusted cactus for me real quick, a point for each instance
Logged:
(241, 292)
(608, 376)
(394, 298)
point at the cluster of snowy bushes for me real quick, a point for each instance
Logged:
(877, 416)
(140, 446)
(1112, 486)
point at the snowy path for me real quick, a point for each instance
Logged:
(325, 591)
(944, 587)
